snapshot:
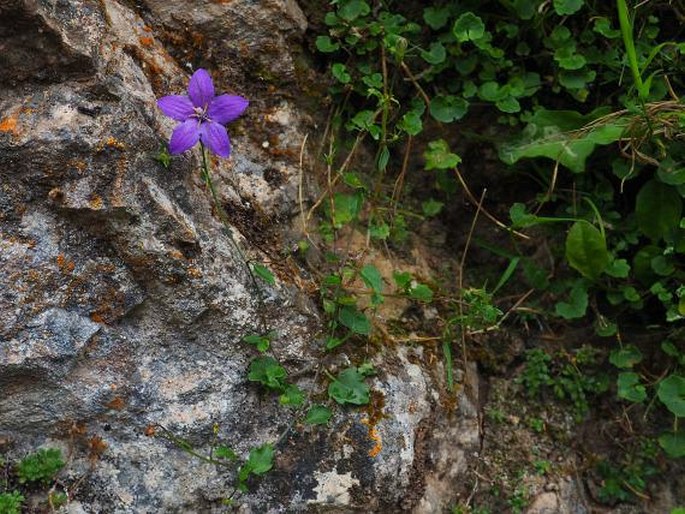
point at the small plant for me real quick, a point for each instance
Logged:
(10, 503)
(41, 466)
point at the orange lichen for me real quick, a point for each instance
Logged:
(375, 437)
(194, 273)
(96, 317)
(97, 447)
(113, 142)
(95, 202)
(9, 124)
(146, 41)
(150, 430)
(116, 403)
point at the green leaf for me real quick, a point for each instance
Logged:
(439, 157)
(671, 392)
(402, 279)
(508, 104)
(339, 71)
(630, 388)
(411, 123)
(379, 231)
(431, 207)
(618, 268)
(333, 342)
(259, 461)
(346, 208)
(224, 452)
(603, 27)
(468, 27)
(586, 249)
(577, 305)
(350, 317)
(626, 357)
(293, 396)
(674, 446)
(520, 218)
(658, 209)
(372, 278)
(556, 135)
(268, 372)
(325, 45)
(436, 17)
(436, 54)
(564, 7)
(264, 273)
(448, 108)
(421, 293)
(262, 343)
(318, 415)
(349, 387)
(350, 10)
(671, 172)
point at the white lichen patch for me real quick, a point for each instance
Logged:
(333, 488)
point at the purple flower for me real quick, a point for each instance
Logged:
(202, 116)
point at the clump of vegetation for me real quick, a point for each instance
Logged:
(41, 466)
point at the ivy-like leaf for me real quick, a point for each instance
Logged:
(577, 305)
(325, 45)
(468, 27)
(349, 387)
(268, 372)
(318, 415)
(565, 7)
(630, 388)
(436, 54)
(626, 357)
(671, 392)
(350, 10)
(293, 396)
(439, 157)
(674, 446)
(448, 108)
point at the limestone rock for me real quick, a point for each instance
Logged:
(124, 300)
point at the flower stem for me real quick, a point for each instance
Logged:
(223, 217)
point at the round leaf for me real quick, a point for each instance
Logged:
(672, 394)
(448, 108)
(630, 388)
(658, 209)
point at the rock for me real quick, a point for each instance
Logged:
(124, 300)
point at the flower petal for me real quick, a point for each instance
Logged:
(225, 108)
(201, 88)
(184, 136)
(176, 106)
(215, 137)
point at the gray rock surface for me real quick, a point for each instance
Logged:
(124, 302)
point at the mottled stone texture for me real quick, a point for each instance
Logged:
(123, 301)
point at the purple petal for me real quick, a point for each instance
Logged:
(201, 89)
(184, 136)
(225, 108)
(215, 137)
(176, 106)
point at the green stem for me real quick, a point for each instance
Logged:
(223, 217)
